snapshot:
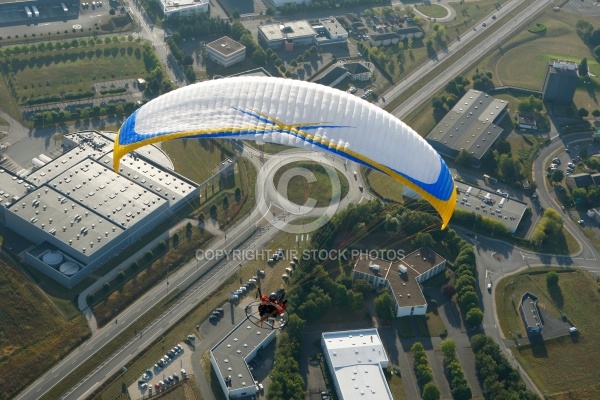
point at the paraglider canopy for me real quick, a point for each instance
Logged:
(294, 113)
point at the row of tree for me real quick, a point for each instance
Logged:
(53, 116)
(456, 377)
(293, 8)
(58, 46)
(424, 373)
(499, 380)
(465, 283)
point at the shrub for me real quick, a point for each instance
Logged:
(552, 279)
(106, 287)
(149, 255)
(121, 276)
(90, 299)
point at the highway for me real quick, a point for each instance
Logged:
(483, 47)
(199, 277)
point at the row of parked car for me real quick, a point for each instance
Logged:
(170, 356)
(169, 381)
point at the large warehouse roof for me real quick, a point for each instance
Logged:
(356, 358)
(470, 125)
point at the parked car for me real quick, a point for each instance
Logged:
(183, 374)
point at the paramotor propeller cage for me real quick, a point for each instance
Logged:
(278, 321)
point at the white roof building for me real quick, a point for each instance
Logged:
(356, 360)
(171, 7)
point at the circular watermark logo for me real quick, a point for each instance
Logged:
(278, 210)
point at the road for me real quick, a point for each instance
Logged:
(440, 80)
(201, 277)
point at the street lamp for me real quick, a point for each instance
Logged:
(168, 268)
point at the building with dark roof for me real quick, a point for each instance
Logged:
(225, 51)
(334, 76)
(357, 71)
(403, 278)
(560, 82)
(530, 313)
(471, 125)
(230, 358)
(383, 39)
(526, 121)
(580, 180)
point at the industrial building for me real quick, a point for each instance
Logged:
(356, 360)
(497, 205)
(560, 82)
(403, 278)
(230, 358)
(287, 35)
(76, 211)
(471, 125)
(356, 71)
(32, 11)
(172, 7)
(530, 313)
(226, 51)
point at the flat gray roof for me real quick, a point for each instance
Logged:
(225, 45)
(511, 211)
(231, 352)
(333, 26)
(81, 183)
(67, 219)
(271, 32)
(401, 285)
(422, 260)
(11, 186)
(298, 29)
(470, 124)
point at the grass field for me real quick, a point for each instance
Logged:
(300, 190)
(76, 69)
(432, 10)
(559, 41)
(562, 366)
(198, 159)
(33, 333)
(395, 383)
(384, 185)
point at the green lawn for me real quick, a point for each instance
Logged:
(395, 383)
(561, 366)
(432, 10)
(198, 159)
(559, 41)
(75, 69)
(300, 190)
(33, 333)
(384, 185)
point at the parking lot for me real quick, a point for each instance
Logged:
(169, 374)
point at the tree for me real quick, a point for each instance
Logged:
(557, 175)
(259, 56)
(270, 11)
(437, 103)
(383, 305)
(583, 67)
(509, 168)
(448, 290)
(474, 317)
(468, 300)
(525, 106)
(448, 347)
(552, 279)
(431, 392)
(464, 158)
(596, 113)
(235, 14)
(583, 112)
(112, 12)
